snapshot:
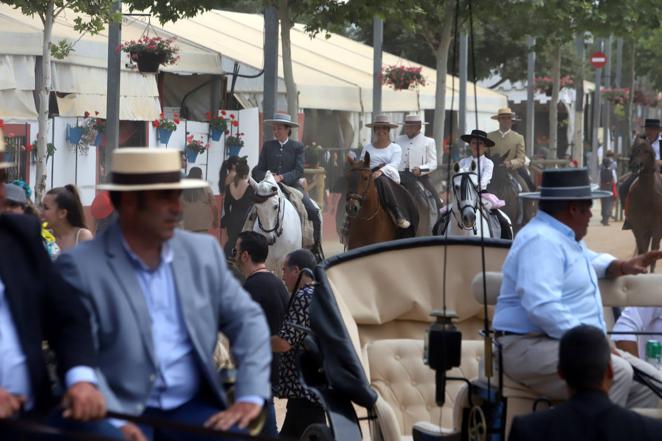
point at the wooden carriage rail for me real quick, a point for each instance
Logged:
(27, 426)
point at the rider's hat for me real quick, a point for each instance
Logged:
(566, 184)
(282, 118)
(652, 123)
(381, 120)
(504, 111)
(2, 151)
(478, 134)
(140, 168)
(414, 119)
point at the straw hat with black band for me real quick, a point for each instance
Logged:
(144, 169)
(504, 111)
(566, 184)
(381, 120)
(414, 119)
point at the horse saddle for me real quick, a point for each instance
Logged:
(295, 196)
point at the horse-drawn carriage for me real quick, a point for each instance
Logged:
(369, 319)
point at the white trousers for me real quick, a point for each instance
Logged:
(533, 360)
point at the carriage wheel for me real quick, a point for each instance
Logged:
(317, 432)
(477, 426)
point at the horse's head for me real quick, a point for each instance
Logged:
(642, 156)
(269, 205)
(360, 184)
(465, 194)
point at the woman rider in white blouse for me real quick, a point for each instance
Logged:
(386, 155)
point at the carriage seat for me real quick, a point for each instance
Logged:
(406, 387)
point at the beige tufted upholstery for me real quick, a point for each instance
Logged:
(385, 301)
(407, 386)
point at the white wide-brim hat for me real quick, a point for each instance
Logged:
(282, 118)
(381, 120)
(2, 152)
(414, 120)
(142, 169)
(505, 111)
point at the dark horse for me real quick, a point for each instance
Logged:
(643, 203)
(505, 186)
(367, 221)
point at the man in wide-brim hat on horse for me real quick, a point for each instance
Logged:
(550, 285)
(419, 157)
(284, 158)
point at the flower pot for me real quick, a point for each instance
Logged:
(216, 134)
(164, 135)
(402, 86)
(149, 62)
(74, 134)
(191, 155)
(233, 150)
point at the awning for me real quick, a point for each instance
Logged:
(16, 85)
(85, 89)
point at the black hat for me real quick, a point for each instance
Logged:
(652, 123)
(566, 184)
(478, 134)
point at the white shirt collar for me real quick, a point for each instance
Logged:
(504, 133)
(284, 142)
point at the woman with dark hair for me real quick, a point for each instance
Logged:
(199, 212)
(237, 198)
(63, 212)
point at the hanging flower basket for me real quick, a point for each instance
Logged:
(193, 148)
(74, 134)
(218, 124)
(164, 127)
(616, 96)
(403, 77)
(233, 138)
(233, 150)
(151, 52)
(545, 84)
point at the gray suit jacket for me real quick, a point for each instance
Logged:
(211, 300)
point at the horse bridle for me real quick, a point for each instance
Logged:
(474, 207)
(280, 214)
(360, 198)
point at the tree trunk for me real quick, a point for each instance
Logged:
(578, 136)
(553, 104)
(290, 85)
(629, 103)
(441, 55)
(44, 94)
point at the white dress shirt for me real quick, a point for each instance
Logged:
(656, 148)
(388, 157)
(486, 169)
(639, 319)
(14, 376)
(419, 151)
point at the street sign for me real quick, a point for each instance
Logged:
(598, 60)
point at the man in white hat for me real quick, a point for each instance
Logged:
(37, 305)
(158, 297)
(419, 157)
(511, 144)
(284, 158)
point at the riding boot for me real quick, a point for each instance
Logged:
(388, 199)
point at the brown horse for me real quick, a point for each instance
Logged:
(643, 206)
(369, 222)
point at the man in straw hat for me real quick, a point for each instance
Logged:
(550, 285)
(159, 296)
(284, 158)
(511, 144)
(419, 157)
(37, 305)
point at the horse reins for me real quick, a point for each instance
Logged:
(280, 214)
(360, 198)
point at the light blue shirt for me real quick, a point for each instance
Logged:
(14, 376)
(550, 281)
(178, 375)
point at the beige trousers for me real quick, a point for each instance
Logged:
(532, 361)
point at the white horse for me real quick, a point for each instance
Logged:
(277, 220)
(468, 214)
